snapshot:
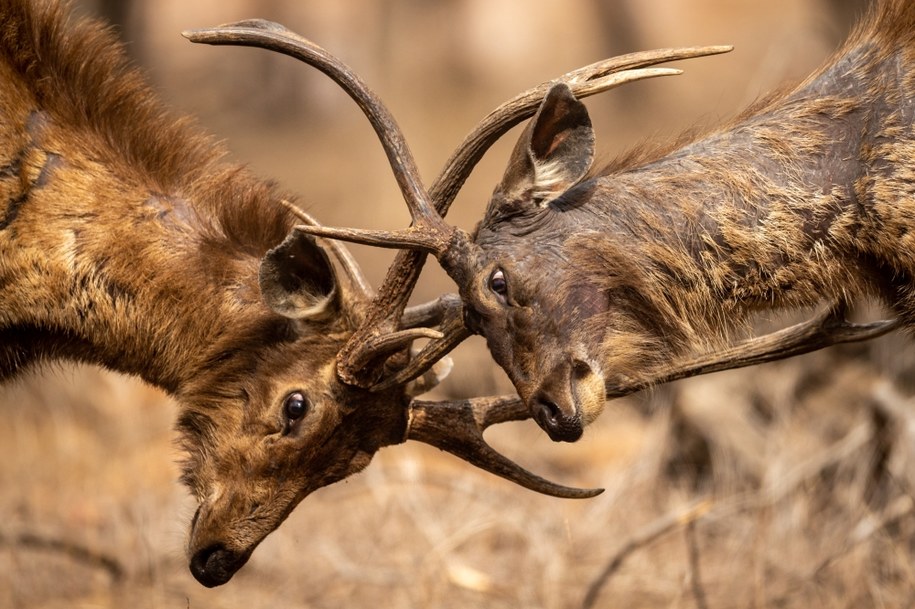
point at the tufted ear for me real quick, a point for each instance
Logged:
(553, 153)
(297, 279)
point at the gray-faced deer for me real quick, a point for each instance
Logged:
(128, 242)
(589, 282)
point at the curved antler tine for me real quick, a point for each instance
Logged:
(830, 327)
(457, 427)
(639, 59)
(274, 37)
(453, 334)
(446, 312)
(386, 344)
(339, 253)
(409, 238)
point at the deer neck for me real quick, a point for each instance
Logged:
(101, 262)
(773, 212)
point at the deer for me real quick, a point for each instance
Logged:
(589, 282)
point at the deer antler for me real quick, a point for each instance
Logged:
(828, 328)
(457, 427)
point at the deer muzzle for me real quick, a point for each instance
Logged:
(567, 400)
(215, 564)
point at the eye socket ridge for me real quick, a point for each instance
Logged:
(498, 285)
(295, 407)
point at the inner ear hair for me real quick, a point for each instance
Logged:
(297, 279)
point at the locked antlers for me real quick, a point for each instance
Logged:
(453, 426)
(457, 426)
(383, 331)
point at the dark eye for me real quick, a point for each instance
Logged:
(295, 406)
(498, 284)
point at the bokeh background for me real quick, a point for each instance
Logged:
(786, 485)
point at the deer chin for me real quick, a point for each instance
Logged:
(590, 395)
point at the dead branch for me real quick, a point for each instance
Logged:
(643, 537)
(70, 549)
(695, 579)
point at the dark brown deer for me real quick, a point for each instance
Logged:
(127, 241)
(589, 282)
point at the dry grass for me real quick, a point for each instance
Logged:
(782, 486)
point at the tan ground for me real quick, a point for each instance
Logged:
(781, 486)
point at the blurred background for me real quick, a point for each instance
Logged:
(785, 485)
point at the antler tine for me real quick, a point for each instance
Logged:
(828, 328)
(275, 37)
(339, 252)
(457, 427)
(453, 333)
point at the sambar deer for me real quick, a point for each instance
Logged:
(128, 241)
(588, 282)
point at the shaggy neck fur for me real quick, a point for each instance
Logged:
(122, 231)
(807, 196)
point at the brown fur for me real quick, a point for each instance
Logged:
(127, 241)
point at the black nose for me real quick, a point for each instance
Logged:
(555, 423)
(214, 565)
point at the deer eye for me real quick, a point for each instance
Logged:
(498, 284)
(294, 407)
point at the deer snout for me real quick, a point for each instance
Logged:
(561, 423)
(568, 399)
(217, 549)
(215, 564)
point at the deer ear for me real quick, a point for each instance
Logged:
(297, 279)
(554, 152)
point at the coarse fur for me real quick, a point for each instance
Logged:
(128, 241)
(807, 196)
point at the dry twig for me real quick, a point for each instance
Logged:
(645, 536)
(69, 549)
(695, 579)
